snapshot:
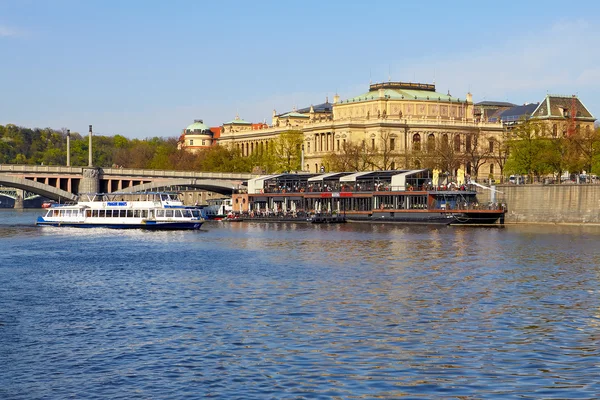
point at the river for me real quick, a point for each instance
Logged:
(289, 311)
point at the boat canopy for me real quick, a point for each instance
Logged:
(328, 176)
(256, 185)
(352, 177)
(416, 178)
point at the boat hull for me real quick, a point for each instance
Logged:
(430, 217)
(148, 225)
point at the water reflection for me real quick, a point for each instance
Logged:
(258, 310)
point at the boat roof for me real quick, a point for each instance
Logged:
(352, 177)
(328, 176)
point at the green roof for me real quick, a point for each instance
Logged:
(238, 121)
(403, 94)
(198, 125)
(294, 115)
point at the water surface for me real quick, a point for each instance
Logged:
(257, 310)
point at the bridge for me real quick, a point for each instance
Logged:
(65, 183)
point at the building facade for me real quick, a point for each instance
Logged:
(411, 125)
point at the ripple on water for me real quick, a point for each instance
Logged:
(298, 311)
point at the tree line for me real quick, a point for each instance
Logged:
(19, 145)
(530, 148)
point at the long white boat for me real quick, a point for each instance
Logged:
(148, 210)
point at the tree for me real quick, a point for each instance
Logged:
(351, 157)
(476, 152)
(385, 156)
(587, 146)
(526, 149)
(286, 151)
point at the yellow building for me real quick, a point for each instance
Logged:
(196, 136)
(403, 126)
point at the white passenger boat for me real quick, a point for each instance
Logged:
(149, 210)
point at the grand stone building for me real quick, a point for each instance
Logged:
(407, 120)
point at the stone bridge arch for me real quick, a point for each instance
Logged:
(42, 189)
(212, 185)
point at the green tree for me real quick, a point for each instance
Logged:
(286, 151)
(527, 150)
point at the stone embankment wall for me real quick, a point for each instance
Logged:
(553, 204)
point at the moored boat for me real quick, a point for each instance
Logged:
(149, 210)
(402, 196)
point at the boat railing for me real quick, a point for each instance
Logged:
(367, 188)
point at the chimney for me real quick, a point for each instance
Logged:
(469, 97)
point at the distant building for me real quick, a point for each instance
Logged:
(564, 115)
(486, 111)
(198, 136)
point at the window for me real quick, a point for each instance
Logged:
(445, 142)
(554, 130)
(468, 143)
(392, 144)
(431, 143)
(191, 142)
(372, 144)
(491, 145)
(491, 169)
(457, 143)
(338, 144)
(308, 147)
(416, 142)
(203, 142)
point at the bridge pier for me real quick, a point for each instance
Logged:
(91, 180)
(20, 200)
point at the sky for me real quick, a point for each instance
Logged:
(150, 68)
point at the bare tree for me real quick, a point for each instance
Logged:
(476, 153)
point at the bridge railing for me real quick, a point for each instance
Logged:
(149, 173)
(49, 169)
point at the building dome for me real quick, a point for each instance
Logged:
(198, 127)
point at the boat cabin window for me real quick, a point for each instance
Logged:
(169, 213)
(160, 213)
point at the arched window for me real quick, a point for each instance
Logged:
(431, 143)
(457, 143)
(491, 169)
(316, 167)
(469, 168)
(416, 143)
(468, 143)
(445, 142)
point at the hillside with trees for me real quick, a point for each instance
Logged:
(19, 145)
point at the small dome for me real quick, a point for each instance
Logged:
(197, 127)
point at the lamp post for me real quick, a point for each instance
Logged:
(68, 147)
(90, 150)
(405, 143)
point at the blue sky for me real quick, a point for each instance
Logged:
(149, 68)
